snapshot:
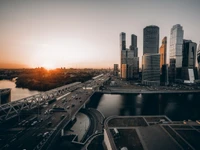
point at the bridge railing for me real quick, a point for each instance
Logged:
(12, 109)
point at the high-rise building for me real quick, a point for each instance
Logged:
(122, 41)
(163, 52)
(175, 53)
(133, 45)
(189, 54)
(151, 69)
(151, 39)
(188, 70)
(115, 70)
(122, 50)
(129, 65)
(163, 61)
(198, 60)
(151, 57)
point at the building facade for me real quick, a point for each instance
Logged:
(189, 54)
(163, 52)
(151, 57)
(151, 39)
(175, 53)
(188, 70)
(198, 60)
(122, 41)
(129, 64)
(151, 69)
(115, 70)
(133, 45)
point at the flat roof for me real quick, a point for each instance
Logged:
(152, 132)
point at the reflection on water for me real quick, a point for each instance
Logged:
(175, 106)
(16, 93)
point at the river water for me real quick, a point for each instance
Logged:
(175, 106)
(16, 93)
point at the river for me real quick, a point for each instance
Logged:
(175, 106)
(16, 93)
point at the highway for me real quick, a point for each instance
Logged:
(45, 123)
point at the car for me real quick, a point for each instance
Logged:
(68, 107)
(45, 134)
(34, 122)
(73, 105)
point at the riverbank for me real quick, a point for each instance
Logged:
(139, 91)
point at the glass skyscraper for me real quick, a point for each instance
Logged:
(175, 52)
(176, 45)
(151, 39)
(151, 56)
(198, 60)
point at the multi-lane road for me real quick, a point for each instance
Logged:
(43, 126)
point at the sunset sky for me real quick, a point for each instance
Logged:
(85, 33)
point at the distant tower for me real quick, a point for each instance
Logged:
(175, 52)
(151, 39)
(163, 61)
(189, 71)
(115, 70)
(198, 59)
(123, 54)
(134, 45)
(163, 52)
(122, 41)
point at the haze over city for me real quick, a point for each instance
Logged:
(85, 33)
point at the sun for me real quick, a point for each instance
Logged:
(48, 66)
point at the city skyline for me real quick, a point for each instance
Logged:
(53, 34)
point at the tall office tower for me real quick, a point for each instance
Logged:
(122, 41)
(151, 69)
(151, 57)
(115, 70)
(198, 60)
(189, 54)
(163, 60)
(188, 70)
(151, 39)
(133, 45)
(122, 53)
(175, 53)
(163, 52)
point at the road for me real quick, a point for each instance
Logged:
(50, 119)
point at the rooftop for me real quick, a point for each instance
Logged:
(144, 132)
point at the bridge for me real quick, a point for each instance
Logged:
(13, 109)
(69, 100)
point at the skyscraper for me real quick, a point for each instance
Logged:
(175, 53)
(151, 39)
(134, 45)
(151, 69)
(198, 60)
(151, 57)
(188, 70)
(129, 62)
(122, 41)
(163, 61)
(122, 53)
(189, 54)
(163, 52)
(115, 70)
